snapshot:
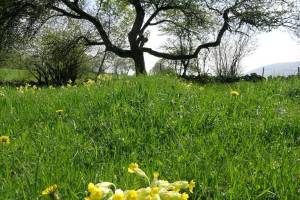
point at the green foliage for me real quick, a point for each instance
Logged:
(244, 147)
(9, 74)
(59, 58)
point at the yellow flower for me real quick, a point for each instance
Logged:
(59, 111)
(119, 195)
(192, 185)
(155, 175)
(50, 190)
(134, 168)
(4, 139)
(89, 82)
(154, 191)
(142, 193)
(69, 85)
(234, 93)
(170, 195)
(155, 179)
(184, 196)
(95, 192)
(131, 195)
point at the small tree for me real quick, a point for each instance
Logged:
(226, 58)
(58, 58)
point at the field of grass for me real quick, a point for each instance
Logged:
(243, 147)
(15, 74)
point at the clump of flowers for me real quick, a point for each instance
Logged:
(89, 82)
(2, 94)
(4, 139)
(234, 93)
(104, 77)
(52, 192)
(157, 189)
(26, 88)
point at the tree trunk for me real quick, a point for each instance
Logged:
(139, 62)
(100, 70)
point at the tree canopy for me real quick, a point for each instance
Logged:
(122, 26)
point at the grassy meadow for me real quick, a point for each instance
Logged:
(7, 74)
(242, 147)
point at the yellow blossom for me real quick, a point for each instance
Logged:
(69, 85)
(89, 82)
(131, 195)
(4, 139)
(95, 192)
(59, 111)
(184, 196)
(169, 195)
(234, 93)
(192, 185)
(134, 168)
(119, 195)
(50, 190)
(155, 175)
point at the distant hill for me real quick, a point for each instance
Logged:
(278, 69)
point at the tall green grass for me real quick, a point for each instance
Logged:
(244, 147)
(15, 74)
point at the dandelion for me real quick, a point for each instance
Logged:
(59, 111)
(4, 139)
(52, 192)
(234, 93)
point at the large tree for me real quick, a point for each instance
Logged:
(132, 18)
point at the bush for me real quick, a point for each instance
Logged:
(253, 77)
(58, 58)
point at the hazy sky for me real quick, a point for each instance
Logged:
(274, 47)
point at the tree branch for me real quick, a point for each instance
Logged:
(217, 42)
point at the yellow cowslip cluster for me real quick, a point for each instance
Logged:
(89, 82)
(4, 139)
(157, 189)
(104, 77)
(234, 93)
(2, 94)
(27, 87)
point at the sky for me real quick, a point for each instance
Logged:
(274, 47)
